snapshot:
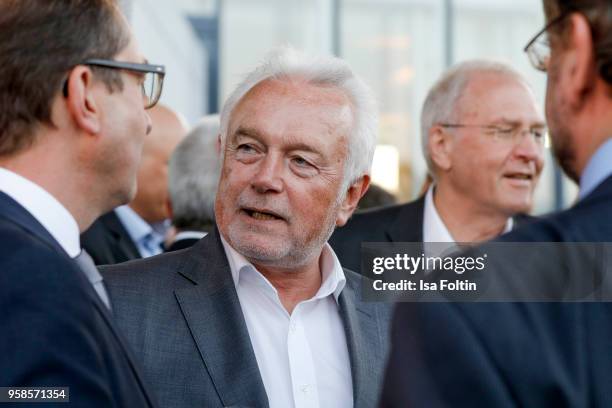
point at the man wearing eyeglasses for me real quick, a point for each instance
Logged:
(73, 94)
(534, 354)
(259, 312)
(483, 141)
(137, 230)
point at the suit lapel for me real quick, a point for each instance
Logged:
(212, 311)
(364, 345)
(124, 246)
(108, 320)
(14, 212)
(408, 225)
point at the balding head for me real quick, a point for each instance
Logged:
(151, 199)
(443, 104)
(168, 129)
(485, 138)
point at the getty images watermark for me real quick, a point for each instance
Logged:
(492, 272)
(421, 265)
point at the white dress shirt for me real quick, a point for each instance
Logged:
(434, 229)
(303, 358)
(56, 219)
(190, 235)
(45, 208)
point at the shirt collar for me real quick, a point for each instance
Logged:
(190, 235)
(136, 227)
(52, 215)
(434, 229)
(597, 169)
(332, 282)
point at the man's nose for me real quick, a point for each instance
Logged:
(529, 147)
(268, 176)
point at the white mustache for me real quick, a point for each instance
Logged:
(265, 204)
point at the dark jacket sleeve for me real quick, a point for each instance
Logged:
(48, 338)
(437, 360)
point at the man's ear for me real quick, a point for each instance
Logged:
(353, 195)
(440, 146)
(81, 101)
(581, 70)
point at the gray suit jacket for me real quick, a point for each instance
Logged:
(181, 314)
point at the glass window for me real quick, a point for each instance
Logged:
(399, 47)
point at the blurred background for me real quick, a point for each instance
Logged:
(399, 47)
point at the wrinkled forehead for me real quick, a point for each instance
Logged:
(299, 90)
(291, 106)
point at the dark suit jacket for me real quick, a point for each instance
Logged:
(180, 311)
(181, 244)
(55, 331)
(108, 242)
(397, 223)
(510, 354)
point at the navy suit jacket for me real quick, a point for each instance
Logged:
(108, 242)
(54, 330)
(181, 314)
(182, 244)
(396, 223)
(510, 354)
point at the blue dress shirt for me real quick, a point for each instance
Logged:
(148, 238)
(597, 169)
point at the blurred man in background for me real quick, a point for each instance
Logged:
(192, 183)
(138, 230)
(376, 196)
(534, 354)
(483, 141)
(73, 93)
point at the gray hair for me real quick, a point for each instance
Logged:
(193, 175)
(286, 63)
(441, 103)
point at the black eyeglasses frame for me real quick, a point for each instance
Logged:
(527, 49)
(143, 68)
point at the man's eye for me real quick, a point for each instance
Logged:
(301, 162)
(245, 148)
(538, 133)
(504, 131)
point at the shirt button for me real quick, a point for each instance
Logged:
(305, 388)
(292, 328)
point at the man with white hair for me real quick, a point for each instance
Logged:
(260, 312)
(483, 140)
(193, 174)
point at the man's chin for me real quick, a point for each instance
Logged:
(128, 194)
(566, 162)
(260, 247)
(565, 154)
(518, 206)
(118, 198)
